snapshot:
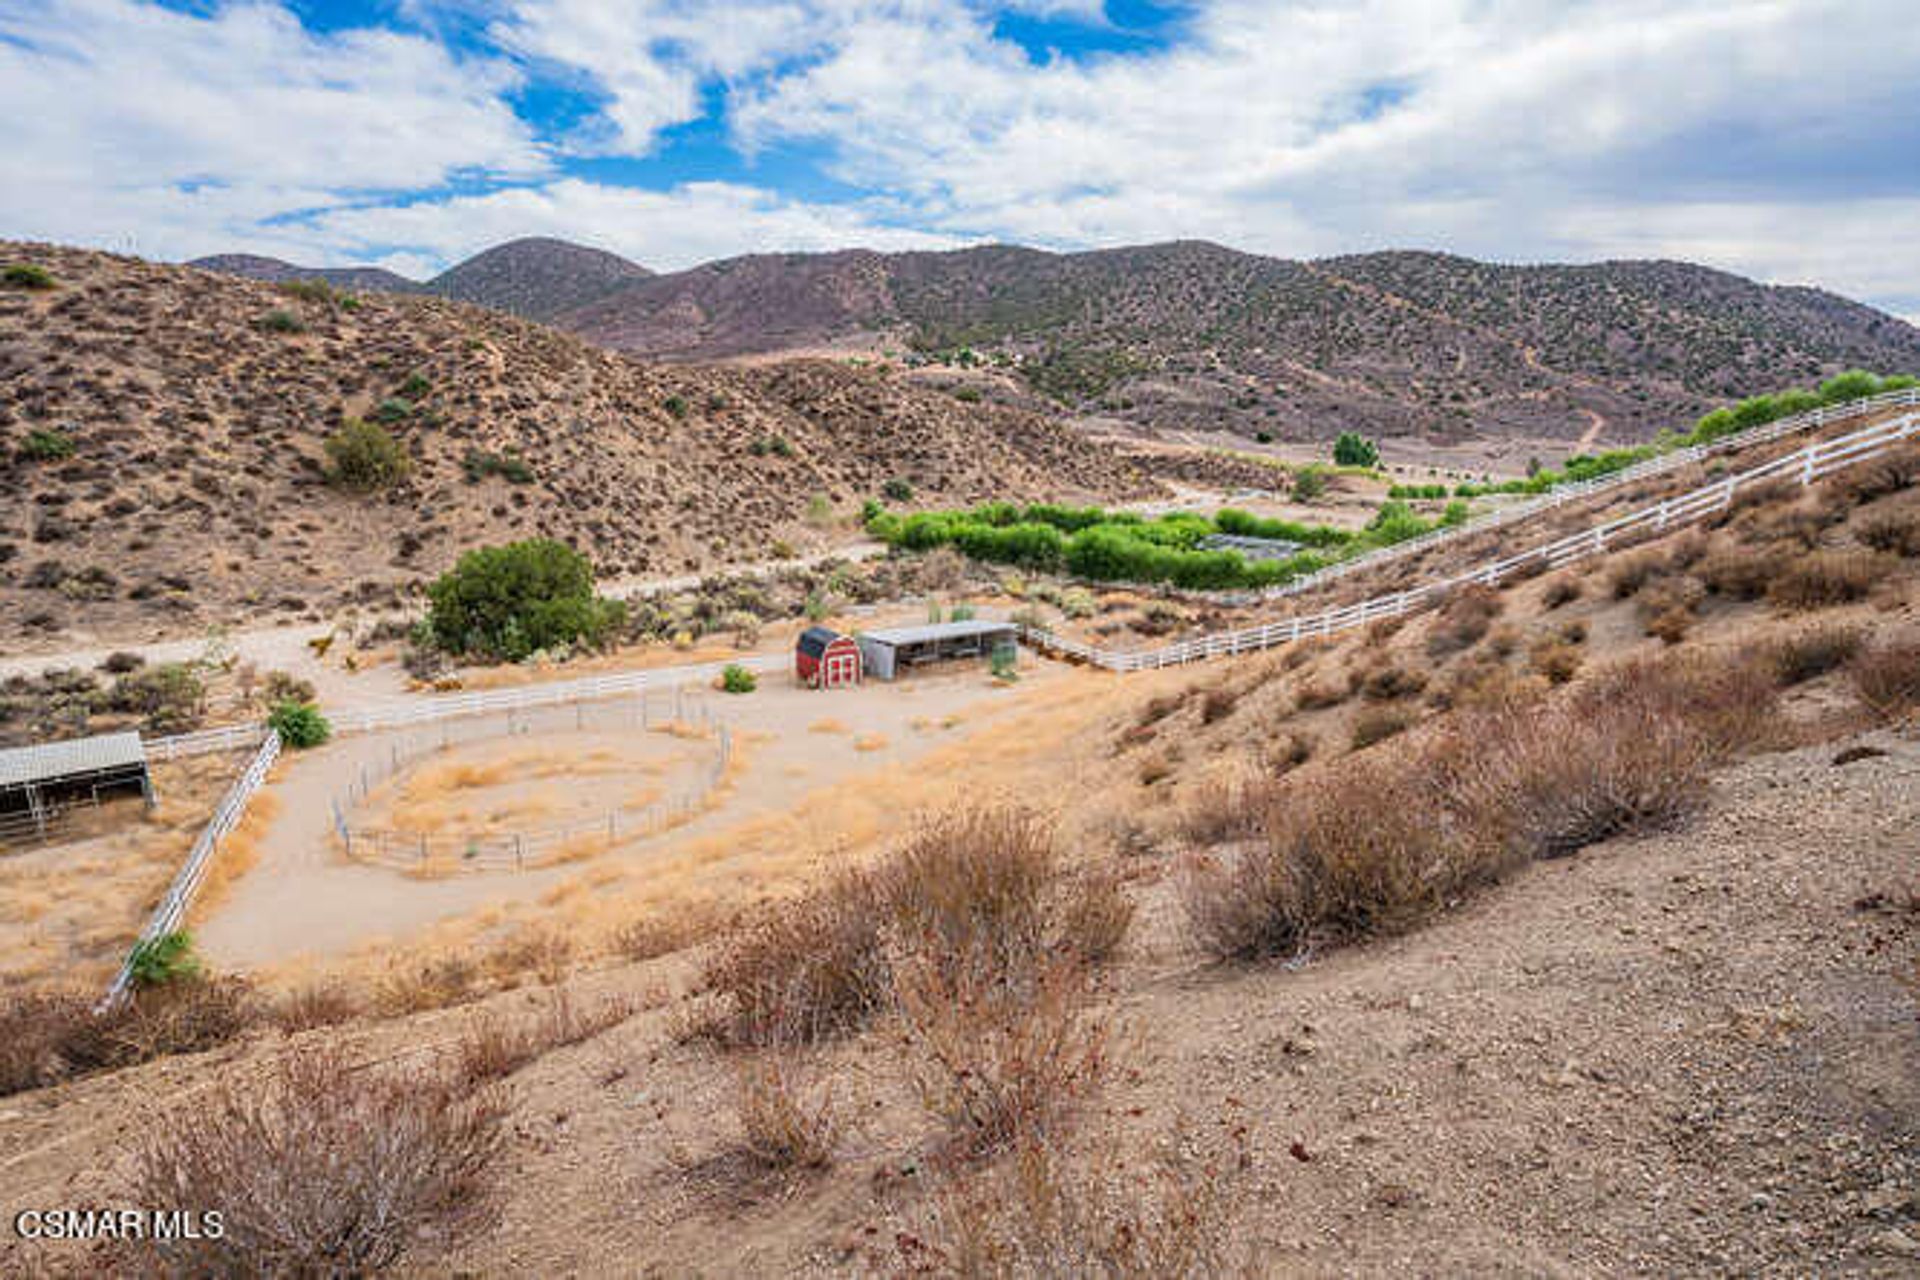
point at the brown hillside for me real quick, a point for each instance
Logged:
(196, 406)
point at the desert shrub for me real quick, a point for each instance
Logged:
(1352, 449)
(786, 1125)
(299, 724)
(969, 888)
(1309, 484)
(897, 490)
(415, 388)
(47, 1037)
(1741, 574)
(735, 678)
(1877, 477)
(1632, 572)
(1814, 651)
(1377, 724)
(1115, 1214)
(1317, 695)
(811, 969)
(1557, 660)
(24, 275)
(45, 444)
(1463, 620)
(170, 696)
(363, 457)
(168, 958)
(999, 1060)
(509, 601)
(393, 409)
(1391, 680)
(1887, 678)
(282, 322)
(1896, 532)
(676, 406)
(318, 1169)
(494, 1047)
(1218, 704)
(1387, 838)
(283, 686)
(478, 464)
(121, 661)
(1094, 916)
(317, 1004)
(1826, 578)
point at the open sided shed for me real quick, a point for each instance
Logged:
(40, 782)
(885, 652)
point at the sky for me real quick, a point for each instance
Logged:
(1775, 138)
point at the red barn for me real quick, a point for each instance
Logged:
(826, 659)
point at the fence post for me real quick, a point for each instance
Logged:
(1806, 465)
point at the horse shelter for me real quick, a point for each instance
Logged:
(42, 783)
(887, 651)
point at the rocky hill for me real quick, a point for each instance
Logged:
(162, 429)
(537, 278)
(277, 271)
(1191, 335)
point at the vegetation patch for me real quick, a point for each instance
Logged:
(363, 456)
(511, 601)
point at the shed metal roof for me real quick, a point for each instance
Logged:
(897, 636)
(47, 761)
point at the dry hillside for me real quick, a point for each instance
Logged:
(195, 407)
(1572, 929)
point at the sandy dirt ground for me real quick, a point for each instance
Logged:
(306, 899)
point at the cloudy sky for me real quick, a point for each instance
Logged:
(1776, 138)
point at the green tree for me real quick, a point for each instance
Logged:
(1354, 450)
(511, 600)
(299, 724)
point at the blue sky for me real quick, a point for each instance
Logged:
(1776, 138)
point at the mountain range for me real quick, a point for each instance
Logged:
(1192, 336)
(163, 447)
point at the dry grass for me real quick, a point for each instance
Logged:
(1894, 532)
(46, 1038)
(999, 1059)
(1827, 578)
(787, 1124)
(806, 970)
(1377, 724)
(1563, 590)
(1111, 1214)
(1462, 621)
(1376, 843)
(1095, 915)
(1743, 573)
(321, 1003)
(1887, 679)
(1811, 652)
(497, 1046)
(320, 1169)
(1557, 659)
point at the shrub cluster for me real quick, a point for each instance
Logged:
(45, 444)
(299, 723)
(478, 464)
(1393, 835)
(363, 456)
(1354, 450)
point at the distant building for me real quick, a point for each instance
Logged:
(42, 783)
(887, 651)
(825, 659)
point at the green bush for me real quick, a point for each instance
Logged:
(23, 275)
(478, 464)
(361, 455)
(156, 962)
(45, 444)
(676, 406)
(299, 724)
(1309, 483)
(415, 388)
(512, 600)
(897, 490)
(1354, 450)
(393, 409)
(735, 678)
(282, 322)
(170, 696)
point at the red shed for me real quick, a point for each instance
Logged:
(826, 659)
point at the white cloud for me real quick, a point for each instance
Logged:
(665, 230)
(186, 131)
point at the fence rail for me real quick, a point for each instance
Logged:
(519, 850)
(172, 910)
(1574, 491)
(1805, 465)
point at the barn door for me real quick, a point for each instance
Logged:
(842, 668)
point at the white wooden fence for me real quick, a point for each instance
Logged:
(1574, 491)
(1804, 466)
(172, 910)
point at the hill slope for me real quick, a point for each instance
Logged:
(276, 271)
(195, 491)
(537, 278)
(1191, 335)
